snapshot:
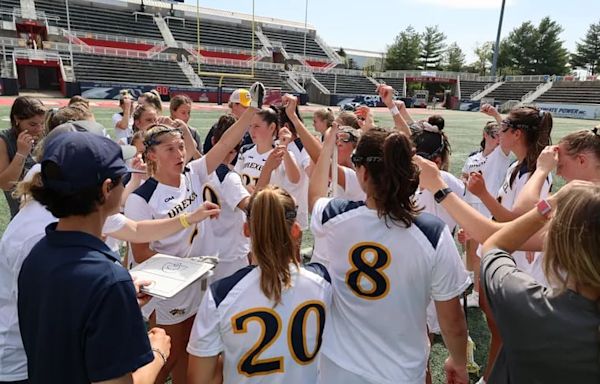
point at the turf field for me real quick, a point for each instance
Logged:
(464, 130)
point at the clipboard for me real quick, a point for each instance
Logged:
(170, 275)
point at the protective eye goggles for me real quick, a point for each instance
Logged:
(362, 160)
(346, 137)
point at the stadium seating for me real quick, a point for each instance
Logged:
(9, 5)
(293, 42)
(512, 90)
(576, 92)
(346, 84)
(100, 20)
(115, 69)
(269, 78)
(213, 34)
(395, 82)
(467, 88)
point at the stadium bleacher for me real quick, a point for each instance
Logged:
(116, 69)
(467, 88)
(293, 42)
(346, 84)
(269, 78)
(395, 82)
(100, 19)
(512, 90)
(214, 34)
(575, 92)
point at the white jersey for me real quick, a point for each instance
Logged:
(153, 200)
(426, 200)
(383, 276)
(493, 168)
(226, 233)
(121, 135)
(352, 190)
(250, 163)
(299, 191)
(262, 342)
(507, 196)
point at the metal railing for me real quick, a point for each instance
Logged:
(117, 38)
(36, 54)
(107, 51)
(532, 78)
(238, 63)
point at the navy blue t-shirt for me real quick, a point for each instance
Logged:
(78, 314)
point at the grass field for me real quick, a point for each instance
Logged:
(464, 130)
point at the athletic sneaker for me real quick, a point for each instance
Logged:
(481, 381)
(473, 300)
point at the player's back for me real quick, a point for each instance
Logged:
(262, 342)
(383, 276)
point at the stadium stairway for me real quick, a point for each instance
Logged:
(512, 90)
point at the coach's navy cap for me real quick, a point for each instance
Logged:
(77, 160)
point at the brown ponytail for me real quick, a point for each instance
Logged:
(536, 125)
(394, 178)
(271, 214)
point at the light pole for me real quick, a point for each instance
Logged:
(497, 45)
(70, 37)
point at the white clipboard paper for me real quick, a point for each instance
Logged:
(170, 275)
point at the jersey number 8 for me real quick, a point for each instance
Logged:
(368, 261)
(270, 323)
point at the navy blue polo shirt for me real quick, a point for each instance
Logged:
(78, 314)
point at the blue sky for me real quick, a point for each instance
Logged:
(373, 24)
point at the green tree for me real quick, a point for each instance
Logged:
(404, 52)
(531, 50)
(587, 53)
(432, 48)
(454, 59)
(484, 54)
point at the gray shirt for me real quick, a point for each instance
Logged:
(10, 139)
(546, 338)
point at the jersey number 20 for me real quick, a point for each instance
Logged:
(270, 323)
(368, 261)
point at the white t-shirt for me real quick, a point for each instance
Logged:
(121, 135)
(250, 163)
(236, 319)
(154, 200)
(225, 188)
(352, 191)
(426, 200)
(21, 234)
(383, 276)
(299, 191)
(507, 196)
(493, 168)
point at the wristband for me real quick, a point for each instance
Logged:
(161, 355)
(544, 208)
(394, 110)
(184, 221)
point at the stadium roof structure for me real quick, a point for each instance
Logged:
(189, 10)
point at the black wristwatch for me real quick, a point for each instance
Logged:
(440, 195)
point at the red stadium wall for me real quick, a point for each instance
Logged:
(225, 55)
(117, 44)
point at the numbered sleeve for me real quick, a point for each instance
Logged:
(450, 278)
(205, 339)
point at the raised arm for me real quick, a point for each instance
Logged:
(531, 192)
(319, 179)
(310, 142)
(479, 227)
(386, 93)
(233, 136)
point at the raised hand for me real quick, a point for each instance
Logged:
(285, 136)
(386, 93)
(548, 158)
(257, 93)
(476, 184)
(24, 143)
